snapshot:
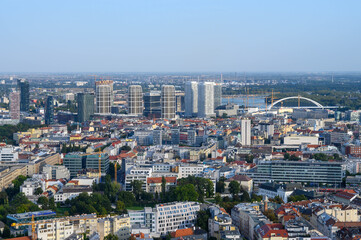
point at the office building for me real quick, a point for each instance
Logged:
(179, 101)
(191, 99)
(143, 218)
(8, 155)
(152, 105)
(177, 215)
(56, 171)
(15, 105)
(217, 95)
(135, 100)
(85, 106)
(49, 110)
(168, 101)
(157, 137)
(246, 132)
(310, 171)
(175, 136)
(191, 138)
(77, 161)
(206, 100)
(23, 86)
(104, 96)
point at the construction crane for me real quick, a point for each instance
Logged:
(99, 161)
(33, 225)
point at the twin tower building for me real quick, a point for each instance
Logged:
(200, 100)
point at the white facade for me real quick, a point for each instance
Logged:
(135, 100)
(168, 101)
(299, 139)
(56, 171)
(206, 100)
(173, 216)
(104, 96)
(190, 170)
(140, 174)
(191, 99)
(8, 155)
(30, 185)
(246, 132)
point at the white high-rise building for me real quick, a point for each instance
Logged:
(191, 99)
(168, 101)
(246, 132)
(206, 99)
(104, 96)
(135, 101)
(217, 95)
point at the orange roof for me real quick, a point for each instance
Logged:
(159, 179)
(182, 232)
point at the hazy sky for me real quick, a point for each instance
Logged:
(179, 35)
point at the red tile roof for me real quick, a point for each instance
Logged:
(159, 180)
(182, 232)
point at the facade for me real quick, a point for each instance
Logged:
(157, 137)
(168, 101)
(49, 110)
(191, 99)
(154, 184)
(23, 86)
(104, 96)
(175, 136)
(144, 218)
(56, 171)
(190, 170)
(15, 105)
(217, 95)
(299, 172)
(152, 105)
(77, 161)
(206, 100)
(8, 155)
(85, 106)
(177, 215)
(135, 100)
(246, 132)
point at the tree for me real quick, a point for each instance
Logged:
(270, 214)
(126, 148)
(120, 208)
(164, 182)
(202, 219)
(38, 191)
(218, 198)
(44, 202)
(277, 199)
(286, 156)
(220, 185)
(245, 196)
(137, 188)
(126, 197)
(6, 232)
(111, 237)
(234, 187)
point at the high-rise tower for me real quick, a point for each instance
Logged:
(168, 101)
(152, 106)
(85, 106)
(206, 99)
(49, 110)
(246, 132)
(191, 99)
(23, 86)
(135, 100)
(217, 95)
(104, 96)
(15, 105)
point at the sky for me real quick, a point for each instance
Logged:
(179, 35)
